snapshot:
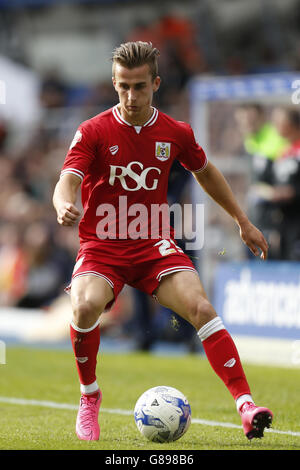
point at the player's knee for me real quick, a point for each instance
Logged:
(85, 313)
(201, 312)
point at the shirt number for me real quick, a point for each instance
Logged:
(167, 247)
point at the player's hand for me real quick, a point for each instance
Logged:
(254, 239)
(68, 214)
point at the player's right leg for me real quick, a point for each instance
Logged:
(89, 296)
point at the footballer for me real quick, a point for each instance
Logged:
(127, 152)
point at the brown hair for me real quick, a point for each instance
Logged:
(135, 54)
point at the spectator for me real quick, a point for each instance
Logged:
(264, 145)
(285, 193)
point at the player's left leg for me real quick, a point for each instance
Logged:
(183, 293)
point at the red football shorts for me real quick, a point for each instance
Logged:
(138, 263)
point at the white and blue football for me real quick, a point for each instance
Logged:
(162, 414)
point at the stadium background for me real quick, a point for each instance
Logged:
(55, 71)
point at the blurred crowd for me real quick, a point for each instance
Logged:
(37, 255)
(272, 141)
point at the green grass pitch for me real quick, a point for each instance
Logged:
(50, 375)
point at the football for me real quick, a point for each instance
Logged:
(162, 414)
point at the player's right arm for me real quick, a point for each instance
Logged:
(64, 199)
(77, 162)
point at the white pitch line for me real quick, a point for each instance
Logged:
(69, 406)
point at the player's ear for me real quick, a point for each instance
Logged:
(114, 82)
(156, 83)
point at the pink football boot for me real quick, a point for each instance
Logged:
(87, 426)
(255, 419)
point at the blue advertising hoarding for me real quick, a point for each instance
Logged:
(259, 299)
(254, 86)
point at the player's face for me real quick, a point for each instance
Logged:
(135, 88)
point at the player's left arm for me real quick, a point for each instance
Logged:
(215, 185)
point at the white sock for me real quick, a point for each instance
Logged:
(210, 327)
(88, 389)
(242, 399)
(85, 330)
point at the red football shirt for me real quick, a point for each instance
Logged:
(124, 171)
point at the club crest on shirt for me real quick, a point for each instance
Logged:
(162, 150)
